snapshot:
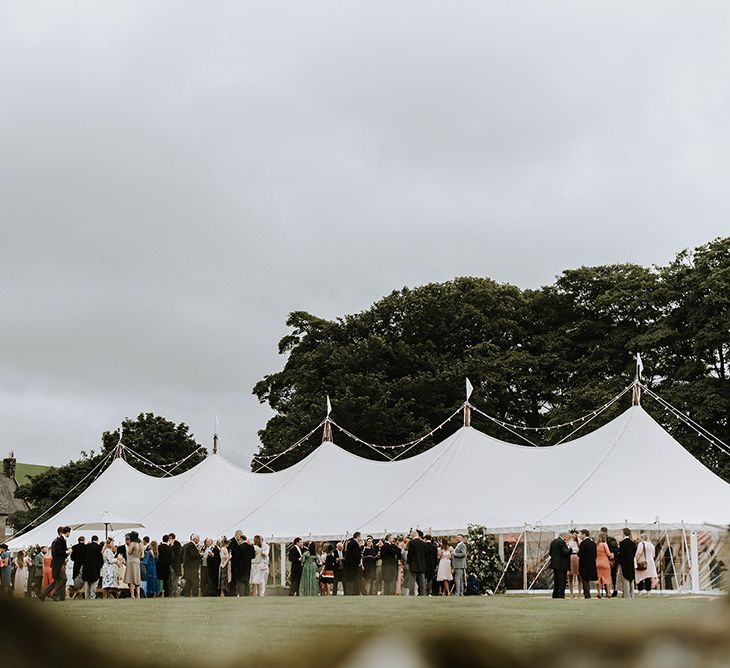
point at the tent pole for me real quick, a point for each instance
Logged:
(539, 573)
(524, 563)
(694, 563)
(509, 561)
(685, 550)
(501, 547)
(467, 415)
(283, 564)
(671, 556)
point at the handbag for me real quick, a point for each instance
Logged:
(641, 563)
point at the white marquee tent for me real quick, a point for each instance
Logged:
(630, 471)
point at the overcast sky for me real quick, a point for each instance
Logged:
(176, 177)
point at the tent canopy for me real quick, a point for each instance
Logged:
(628, 472)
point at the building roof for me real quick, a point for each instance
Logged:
(8, 503)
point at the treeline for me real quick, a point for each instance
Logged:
(535, 357)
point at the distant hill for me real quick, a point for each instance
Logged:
(24, 471)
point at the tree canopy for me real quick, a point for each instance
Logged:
(535, 357)
(155, 438)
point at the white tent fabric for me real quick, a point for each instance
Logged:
(630, 471)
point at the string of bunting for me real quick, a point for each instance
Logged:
(270, 459)
(604, 408)
(161, 467)
(716, 442)
(412, 443)
(587, 416)
(504, 425)
(359, 440)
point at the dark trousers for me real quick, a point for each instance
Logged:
(205, 586)
(614, 575)
(586, 588)
(336, 583)
(644, 585)
(192, 584)
(294, 580)
(559, 580)
(174, 583)
(389, 584)
(166, 586)
(37, 585)
(350, 585)
(243, 587)
(420, 581)
(57, 588)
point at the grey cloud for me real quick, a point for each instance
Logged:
(176, 177)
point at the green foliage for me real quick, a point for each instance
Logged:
(153, 437)
(535, 357)
(156, 439)
(483, 557)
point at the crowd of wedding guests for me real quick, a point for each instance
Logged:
(141, 567)
(416, 565)
(580, 562)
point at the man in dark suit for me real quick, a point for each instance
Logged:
(432, 562)
(626, 554)
(175, 564)
(91, 567)
(213, 563)
(353, 565)
(417, 561)
(77, 556)
(241, 555)
(339, 568)
(59, 554)
(390, 555)
(164, 564)
(295, 559)
(192, 558)
(246, 553)
(234, 549)
(560, 563)
(587, 561)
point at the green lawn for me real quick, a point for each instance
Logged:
(221, 628)
(24, 471)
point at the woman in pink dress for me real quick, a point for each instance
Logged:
(603, 564)
(443, 574)
(47, 570)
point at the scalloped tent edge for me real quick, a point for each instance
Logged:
(628, 472)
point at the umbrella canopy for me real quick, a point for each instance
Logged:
(107, 522)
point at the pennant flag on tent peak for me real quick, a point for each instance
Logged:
(469, 389)
(639, 366)
(329, 406)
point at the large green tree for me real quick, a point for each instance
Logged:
(536, 357)
(693, 345)
(152, 437)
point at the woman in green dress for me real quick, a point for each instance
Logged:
(309, 584)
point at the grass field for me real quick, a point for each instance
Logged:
(219, 629)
